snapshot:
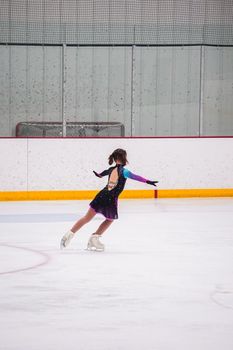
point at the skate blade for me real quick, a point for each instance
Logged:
(93, 249)
(62, 245)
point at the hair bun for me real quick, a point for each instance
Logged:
(110, 159)
(118, 155)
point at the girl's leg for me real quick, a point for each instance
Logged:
(103, 227)
(70, 234)
(84, 220)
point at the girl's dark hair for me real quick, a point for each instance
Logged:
(120, 155)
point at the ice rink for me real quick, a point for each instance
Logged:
(164, 282)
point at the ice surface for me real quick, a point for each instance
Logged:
(164, 282)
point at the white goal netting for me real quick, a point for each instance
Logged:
(71, 129)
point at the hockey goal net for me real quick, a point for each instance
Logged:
(72, 129)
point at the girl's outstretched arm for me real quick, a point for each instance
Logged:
(104, 173)
(128, 174)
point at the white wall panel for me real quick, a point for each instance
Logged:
(98, 85)
(167, 89)
(5, 94)
(13, 165)
(218, 91)
(71, 84)
(83, 79)
(55, 165)
(19, 86)
(119, 90)
(67, 164)
(30, 86)
(35, 83)
(52, 83)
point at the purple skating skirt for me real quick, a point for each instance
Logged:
(105, 202)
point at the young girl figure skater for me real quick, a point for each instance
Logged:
(105, 202)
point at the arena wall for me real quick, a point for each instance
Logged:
(62, 168)
(153, 91)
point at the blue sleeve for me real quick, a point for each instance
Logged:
(129, 175)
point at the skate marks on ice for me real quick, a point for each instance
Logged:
(165, 287)
(79, 251)
(44, 258)
(43, 217)
(107, 251)
(223, 296)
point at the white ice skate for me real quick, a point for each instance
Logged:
(95, 244)
(66, 239)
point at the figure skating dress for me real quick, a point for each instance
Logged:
(106, 201)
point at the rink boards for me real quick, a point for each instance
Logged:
(44, 169)
(127, 194)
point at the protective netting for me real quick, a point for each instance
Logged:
(73, 129)
(117, 22)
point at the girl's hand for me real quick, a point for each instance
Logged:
(96, 174)
(152, 182)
